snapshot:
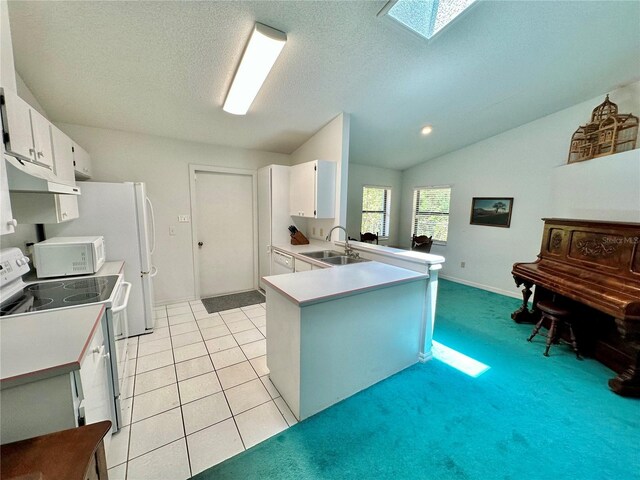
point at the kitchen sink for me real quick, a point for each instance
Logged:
(323, 254)
(343, 260)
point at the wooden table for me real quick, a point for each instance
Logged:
(74, 454)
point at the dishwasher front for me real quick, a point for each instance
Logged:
(281, 263)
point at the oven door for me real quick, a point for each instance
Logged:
(119, 343)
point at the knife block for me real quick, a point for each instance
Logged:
(299, 239)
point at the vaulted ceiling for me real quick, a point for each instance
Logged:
(163, 68)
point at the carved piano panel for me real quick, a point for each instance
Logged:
(593, 267)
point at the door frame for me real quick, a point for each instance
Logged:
(193, 170)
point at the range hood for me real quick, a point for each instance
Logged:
(24, 176)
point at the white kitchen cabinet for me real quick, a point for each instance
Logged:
(312, 189)
(41, 138)
(35, 208)
(66, 206)
(302, 266)
(16, 126)
(63, 401)
(7, 222)
(81, 163)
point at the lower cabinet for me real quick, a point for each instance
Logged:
(302, 266)
(64, 401)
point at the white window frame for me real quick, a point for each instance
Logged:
(386, 213)
(415, 214)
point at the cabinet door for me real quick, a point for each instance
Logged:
(62, 155)
(82, 162)
(301, 266)
(7, 223)
(303, 190)
(16, 125)
(42, 138)
(66, 207)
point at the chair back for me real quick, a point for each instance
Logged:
(421, 243)
(369, 237)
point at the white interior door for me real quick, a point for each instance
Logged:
(225, 233)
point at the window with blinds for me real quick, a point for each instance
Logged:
(431, 212)
(376, 203)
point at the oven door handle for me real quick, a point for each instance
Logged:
(122, 306)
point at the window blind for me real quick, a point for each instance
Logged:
(431, 212)
(376, 203)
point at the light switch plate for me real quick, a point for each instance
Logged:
(184, 218)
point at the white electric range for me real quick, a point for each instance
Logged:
(59, 301)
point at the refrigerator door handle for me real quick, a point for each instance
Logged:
(153, 225)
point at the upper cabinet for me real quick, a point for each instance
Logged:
(41, 208)
(81, 163)
(313, 189)
(16, 126)
(41, 139)
(7, 222)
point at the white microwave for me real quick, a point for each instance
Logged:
(65, 256)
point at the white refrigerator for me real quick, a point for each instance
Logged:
(273, 214)
(123, 214)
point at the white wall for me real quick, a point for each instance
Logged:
(521, 163)
(163, 164)
(331, 143)
(365, 175)
(7, 69)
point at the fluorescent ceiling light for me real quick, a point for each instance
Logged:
(425, 17)
(458, 360)
(262, 51)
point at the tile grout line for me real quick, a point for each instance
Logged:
(244, 447)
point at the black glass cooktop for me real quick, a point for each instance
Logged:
(59, 294)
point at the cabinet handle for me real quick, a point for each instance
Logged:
(13, 222)
(32, 151)
(40, 154)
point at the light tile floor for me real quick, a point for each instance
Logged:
(200, 394)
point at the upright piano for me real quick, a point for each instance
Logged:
(593, 268)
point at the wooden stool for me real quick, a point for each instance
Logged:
(557, 316)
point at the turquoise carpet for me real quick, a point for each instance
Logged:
(527, 417)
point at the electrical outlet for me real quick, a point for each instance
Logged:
(183, 218)
(463, 264)
(321, 233)
(172, 230)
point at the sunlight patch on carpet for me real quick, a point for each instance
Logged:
(458, 360)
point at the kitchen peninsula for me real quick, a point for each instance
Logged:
(336, 331)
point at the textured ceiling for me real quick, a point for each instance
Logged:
(163, 68)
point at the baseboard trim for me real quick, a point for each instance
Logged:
(481, 286)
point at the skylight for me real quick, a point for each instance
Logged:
(427, 17)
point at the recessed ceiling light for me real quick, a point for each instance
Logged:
(262, 51)
(426, 130)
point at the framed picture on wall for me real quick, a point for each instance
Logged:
(491, 211)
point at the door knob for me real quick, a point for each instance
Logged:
(200, 244)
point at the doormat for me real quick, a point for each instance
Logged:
(236, 300)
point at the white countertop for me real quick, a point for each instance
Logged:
(45, 344)
(307, 288)
(390, 252)
(48, 343)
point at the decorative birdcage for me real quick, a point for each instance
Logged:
(608, 132)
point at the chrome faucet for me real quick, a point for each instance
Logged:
(348, 251)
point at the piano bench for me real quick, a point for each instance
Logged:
(557, 316)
